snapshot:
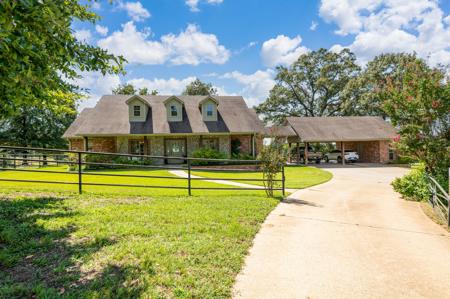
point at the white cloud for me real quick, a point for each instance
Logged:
(163, 86)
(95, 85)
(256, 86)
(383, 26)
(83, 35)
(102, 30)
(135, 10)
(193, 4)
(194, 47)
(313, 26)
(188, 47)
(282, 50)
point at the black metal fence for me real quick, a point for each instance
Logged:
(27, 159)
(439, 200)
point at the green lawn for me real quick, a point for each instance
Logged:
(297, 177)
(64, 176)
(114, 242)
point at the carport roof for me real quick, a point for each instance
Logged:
(334, 129)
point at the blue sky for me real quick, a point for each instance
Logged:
(236, 44)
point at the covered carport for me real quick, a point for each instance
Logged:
(368, 135)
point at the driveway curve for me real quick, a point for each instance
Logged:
(352, 237)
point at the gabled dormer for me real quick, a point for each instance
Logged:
(174, 109)
(208, 107)
(137, 109)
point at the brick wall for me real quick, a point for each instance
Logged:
(102, 144)
(246, 143)
(369, 151)
(76, 144)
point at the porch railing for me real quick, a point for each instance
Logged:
(27, 159)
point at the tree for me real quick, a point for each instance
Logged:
(128, 89)
(418, 104)
(199, 88)
(36, 127)
(39, 55)
(311, 86)
(273, 157)
(364, 89)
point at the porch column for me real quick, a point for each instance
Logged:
(253, 140)
(290, 152)
(298, 152)
(146, 151)
(86, 143)
(306, 153)
(343, 153)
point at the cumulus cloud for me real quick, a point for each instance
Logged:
(383, 26)
(102, 30)
(255, 87)
(135, 10)
(282, 50)
(95, 85)
(188, 47)
(83, 35)
(163, 86)
(193, 4)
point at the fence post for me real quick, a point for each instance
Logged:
(14, 160)
(448, 201)
(189, 176)
(80, 182)
(283, 179)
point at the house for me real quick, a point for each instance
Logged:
(167, 125)
(370, 136)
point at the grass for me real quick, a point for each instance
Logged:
(64, 176)
(114, 242)
(297, 177)
(95, 246)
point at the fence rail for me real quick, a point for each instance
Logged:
(439, 200)
(22, 159)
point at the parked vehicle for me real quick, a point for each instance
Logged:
(350, 156)
(313, 156)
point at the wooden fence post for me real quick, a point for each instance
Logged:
(80, 182)
(283, 179)
(189, 176)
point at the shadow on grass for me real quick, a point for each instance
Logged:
(36, 261)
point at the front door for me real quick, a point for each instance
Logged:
(175, 148)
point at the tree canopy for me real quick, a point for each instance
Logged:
(200, 88)
(39, 55)
(129, 89)
(312, 86)
(418, 104)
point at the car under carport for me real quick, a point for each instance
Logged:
(370, 136)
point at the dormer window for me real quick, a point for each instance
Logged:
(208, 107)
(210, 110)
(137, 110)
(173, 111)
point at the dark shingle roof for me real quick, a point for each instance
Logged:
(110, 117)
(81, 118)
(279, 131)
(331, 129)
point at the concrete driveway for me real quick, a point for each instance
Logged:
(352, 237)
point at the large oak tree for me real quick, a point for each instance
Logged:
(312, 86)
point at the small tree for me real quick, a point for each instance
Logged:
(273, 157)
(419, 104)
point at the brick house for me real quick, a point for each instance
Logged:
(166, 125)
(368, 135)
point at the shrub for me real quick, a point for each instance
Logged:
(207, 153)
(272, 158)
(97, 158)
(235, 147)
(414, 185)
